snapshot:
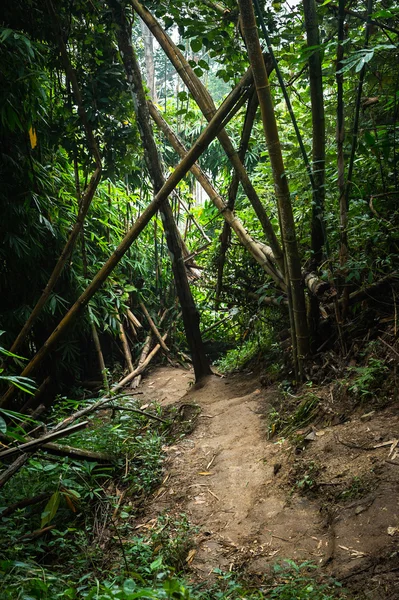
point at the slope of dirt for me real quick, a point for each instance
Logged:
(334, 500)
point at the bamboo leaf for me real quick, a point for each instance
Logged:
(3, 425)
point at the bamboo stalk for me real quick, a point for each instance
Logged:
(252, 107)
(191, 318)
(125, 344)
(24, 503)
(133, 319)
(139, 369)
(194, 220)
(34, 400)
(34, 444)
(287, 224)
(357, 107)
(343, 212)
(87, 197)
(153, 328)
(318, 131)
(361, 17)
(144, 353)
(76, 453)
(12, 469)
(100, 356)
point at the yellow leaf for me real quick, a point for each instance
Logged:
(32, 137)
(190, 556)
(205, 473)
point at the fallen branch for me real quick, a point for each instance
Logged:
(36, 534)
(81, 413)
(24, 503)
(35, 444)
(12, 469)
(366, 292)
(141, 412)
(77, 453)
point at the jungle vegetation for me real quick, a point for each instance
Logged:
(180, 175)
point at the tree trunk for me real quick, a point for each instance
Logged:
(343, 213)
(287, 225)
(190, 314)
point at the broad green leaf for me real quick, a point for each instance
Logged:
(196, 45)
(50, 509)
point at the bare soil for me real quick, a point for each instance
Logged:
(331, 498)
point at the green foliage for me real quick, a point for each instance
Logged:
(290, 581)
(357, 488)
(367, 379)
(295, 413)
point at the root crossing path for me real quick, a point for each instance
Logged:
(233, 484)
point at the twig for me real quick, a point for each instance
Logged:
(212, 494)
(354, 446)
(208, 466)
(24, 503)
(140, 412)
(389, 346)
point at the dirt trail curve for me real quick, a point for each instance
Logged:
(232, 483)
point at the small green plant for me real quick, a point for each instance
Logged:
(172, 539)
(307, 480)
(297, 583)
(367, 379)
(290, 418)
(358, 487)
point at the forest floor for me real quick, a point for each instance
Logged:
(332, 499)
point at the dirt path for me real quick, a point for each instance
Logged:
(243, 491)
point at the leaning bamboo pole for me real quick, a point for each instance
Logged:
(206, 137)
(125, 344)
(207, 106)
(100, 356)
(287, 225)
